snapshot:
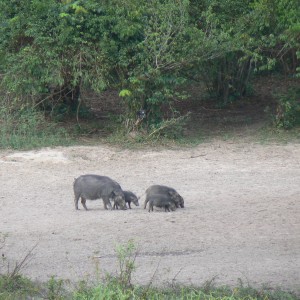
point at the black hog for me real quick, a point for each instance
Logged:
(164, 190)
(162, 201)
(129, 197)
(94, 187)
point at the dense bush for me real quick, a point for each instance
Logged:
(288, 109)
(50, 51)
(27, 128)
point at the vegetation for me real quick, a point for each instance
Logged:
(28, 128)
(288, 109)
(51, 52)
(119, 286)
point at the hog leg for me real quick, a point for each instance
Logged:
(83, 201)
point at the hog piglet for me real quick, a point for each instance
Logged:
(129, 197)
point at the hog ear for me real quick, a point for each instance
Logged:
(171, 193)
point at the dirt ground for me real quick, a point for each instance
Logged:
(241, 220)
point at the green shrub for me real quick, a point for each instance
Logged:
(27, 128)
(55, 289)
(126, 255)
(288, 110)
(15, 287)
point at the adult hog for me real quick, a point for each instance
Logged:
(162, 201)
(130, 197)
(164, 190)
(92, 187)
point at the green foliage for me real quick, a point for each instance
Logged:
(16, 287)
(126, 255)
(125, 93)
(113, 291)
(288, 110)
(13, 285)
(276, 23)
(50, 51)
(53, 51)
(55, 289)
(251, 36)
(27, 129)
(152, 75)
(120, 287)
(83, 291)
(227, 70)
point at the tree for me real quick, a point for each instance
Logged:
(51, 50)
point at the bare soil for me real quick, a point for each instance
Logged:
(241, 218)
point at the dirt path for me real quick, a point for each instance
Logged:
(242, 215)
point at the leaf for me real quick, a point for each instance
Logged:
(63, 15)
(125, 93)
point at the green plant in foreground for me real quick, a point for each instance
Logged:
(120, 287)
(15, 287)
(126, 255)
(55, 289)
(12, 282)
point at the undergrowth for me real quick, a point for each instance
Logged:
(119, 286)
(288, 109)
(27, 128)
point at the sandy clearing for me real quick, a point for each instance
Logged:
(241, 220)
